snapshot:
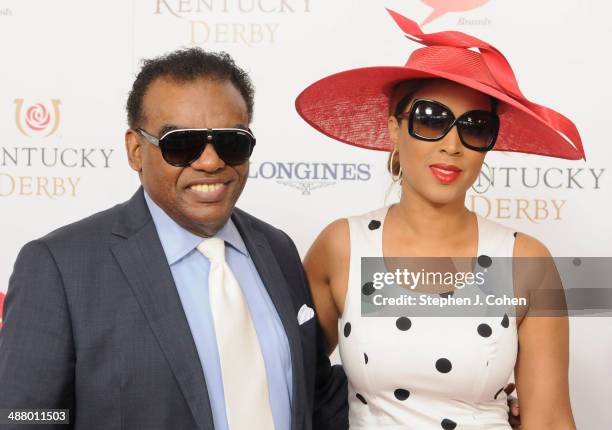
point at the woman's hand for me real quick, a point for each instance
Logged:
(514, 417)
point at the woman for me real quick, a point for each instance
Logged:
(438, 116)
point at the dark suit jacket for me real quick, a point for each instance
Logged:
(93, 322)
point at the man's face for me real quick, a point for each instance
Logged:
(199, 197)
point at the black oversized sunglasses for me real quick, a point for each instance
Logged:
(431, 120)
(182, 147)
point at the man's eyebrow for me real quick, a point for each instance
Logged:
(169, 127)
(166, 128)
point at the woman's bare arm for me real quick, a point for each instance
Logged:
(326, 265)
(541, 370)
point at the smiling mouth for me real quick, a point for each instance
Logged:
(440, 169)
(209, 193)
(207, 188)
(445, 174)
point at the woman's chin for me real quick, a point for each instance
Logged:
(445, 196)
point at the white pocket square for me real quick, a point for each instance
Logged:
(304, 314)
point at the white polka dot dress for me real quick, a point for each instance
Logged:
(425, 373)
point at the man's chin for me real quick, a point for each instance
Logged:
(207, 218)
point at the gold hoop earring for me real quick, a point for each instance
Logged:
(397, 177)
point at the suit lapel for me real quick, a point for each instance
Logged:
(267, 266)
(142, 260)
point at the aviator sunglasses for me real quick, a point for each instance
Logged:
(182, 147)
(430, 120)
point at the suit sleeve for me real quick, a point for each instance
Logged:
(36, 344)
(330, 410)
(330, 407)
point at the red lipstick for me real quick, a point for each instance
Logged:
(445, 173)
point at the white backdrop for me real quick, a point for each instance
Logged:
(67, 66)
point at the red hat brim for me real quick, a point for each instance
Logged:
(352, 107)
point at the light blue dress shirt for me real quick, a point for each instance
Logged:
(190, 272)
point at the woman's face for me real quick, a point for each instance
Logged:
(440, 171)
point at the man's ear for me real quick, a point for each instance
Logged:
(132, 147)
(394, 130)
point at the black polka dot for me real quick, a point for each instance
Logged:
(505, 321)
(347, 329)
(576, 261)
(368, 288)
(360, 397)
(484, 261)
(443, 365)
(515, 234)
(403, 323)
(484, 330)
(401, 394)
(498, 393)
(447, 294)
(448, 424)
(365, 358)
(374, 224)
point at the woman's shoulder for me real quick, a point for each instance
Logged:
(523, 244)
(374, 214)
(331, 243)
(340, 227)
(528, 246)
(334, 239)
(335, 231)
(493, 227)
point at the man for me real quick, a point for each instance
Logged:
(173, 310)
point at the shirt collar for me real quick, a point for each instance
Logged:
(177, 242)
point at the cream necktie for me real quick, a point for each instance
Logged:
(245, 384)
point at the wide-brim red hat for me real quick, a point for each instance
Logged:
(352, 106)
